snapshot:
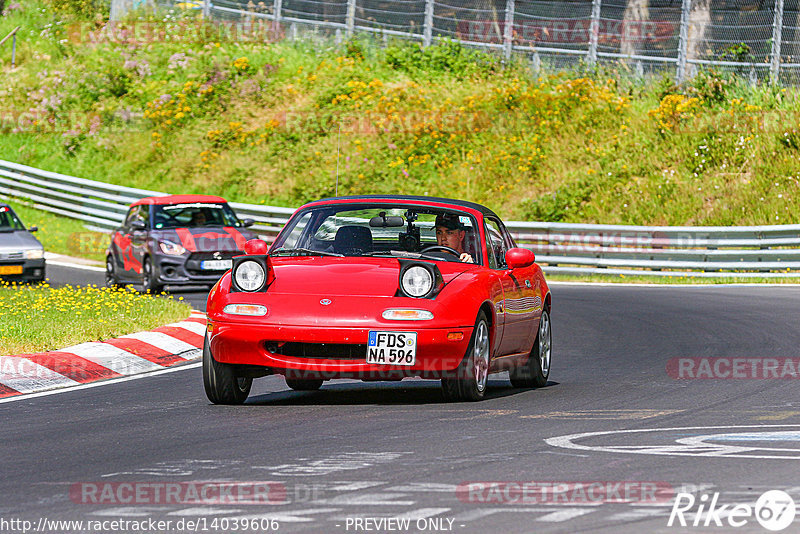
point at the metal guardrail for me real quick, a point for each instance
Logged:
(696, 251)
(103, 206)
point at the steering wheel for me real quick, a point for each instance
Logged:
(443, 248)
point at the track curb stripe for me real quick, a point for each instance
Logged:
(131, 354)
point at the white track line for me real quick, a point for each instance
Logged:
(76, 266)
(100, 383)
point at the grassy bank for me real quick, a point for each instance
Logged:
(41, 318)
(261, 123)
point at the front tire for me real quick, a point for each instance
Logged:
(536, 370)
(220, 381)
(149, 282)
(299, 384)
(472, 375)
(111, 276)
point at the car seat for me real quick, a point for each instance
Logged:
(352, 240)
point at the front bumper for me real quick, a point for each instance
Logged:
(32, 270)
(248, 344)
(184, 270)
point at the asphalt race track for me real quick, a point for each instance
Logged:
(354, 454)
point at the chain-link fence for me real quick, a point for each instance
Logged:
(758, 39)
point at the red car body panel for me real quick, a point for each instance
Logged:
(357, 290)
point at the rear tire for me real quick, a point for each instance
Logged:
(536, 370)
(220, 381)
(472, 375)
(298, 384)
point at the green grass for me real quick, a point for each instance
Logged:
(63, 235)
(41, 318)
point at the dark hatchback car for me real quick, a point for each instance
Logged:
(175, 240)
(21, 254)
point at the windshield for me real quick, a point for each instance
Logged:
(193, 215)
(380, 230)
(9, 221)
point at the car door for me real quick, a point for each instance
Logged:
(528, 309)
(138, 236)
(517, 304)
(495, 251)
(125, 264)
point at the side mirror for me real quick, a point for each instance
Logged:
(138, 225)
(33, 229)
(248, 222)
(256, 247)
(519, 257)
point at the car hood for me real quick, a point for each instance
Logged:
(18, 240)
(320, 275)
(207, 239)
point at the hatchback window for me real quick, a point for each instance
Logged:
(193, 215)
(9, 221)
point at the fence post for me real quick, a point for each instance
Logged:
(508, 30)
(350, 21)
(683, 41)
(206, 9)
(594, 33)
(777, 31)
(427, 31)
(13, 49)
(277, 7)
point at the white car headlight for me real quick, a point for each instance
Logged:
(34, 254)
(417, 281)
(250, 276)
(173, 249)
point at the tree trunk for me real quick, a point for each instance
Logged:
(699, 22)
(634, 24)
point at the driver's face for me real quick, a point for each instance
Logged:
(450, 238)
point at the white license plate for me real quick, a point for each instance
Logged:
(392, 348)
(216, 265)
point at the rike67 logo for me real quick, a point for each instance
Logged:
(774, 510)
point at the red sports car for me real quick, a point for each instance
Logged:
(380, 288)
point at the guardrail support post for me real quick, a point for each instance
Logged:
(206, 9)
(350, 21)
(683, 41)
(427, 31)
(594, 33)
(777, 31)
(508, 30)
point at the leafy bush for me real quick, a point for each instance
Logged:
(710, 86)
(446, 56)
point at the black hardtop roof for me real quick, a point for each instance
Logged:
(464, 203)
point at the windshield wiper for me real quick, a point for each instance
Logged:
(302, 251)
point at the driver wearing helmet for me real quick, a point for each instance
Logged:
(450, 232)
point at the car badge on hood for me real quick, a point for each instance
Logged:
(217, 256)
(325, 302)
